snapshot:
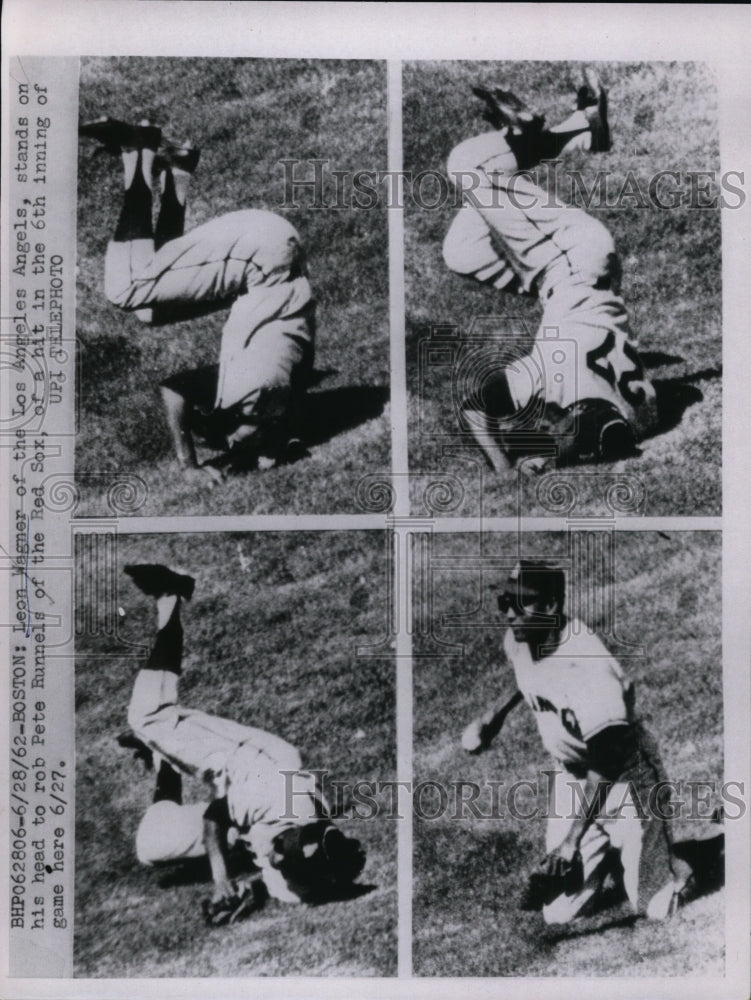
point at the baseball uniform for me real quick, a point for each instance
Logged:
(511, 234)
(577, 693)
(254, 260)
(260, 774)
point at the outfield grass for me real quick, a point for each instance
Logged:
(469, 872)
(247, 115)
(663, 117)
(270, 640)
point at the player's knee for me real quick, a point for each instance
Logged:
(455, 256)
(159, 818)
(596, 258)
(288, 757)
(170, 832)
(135, 719)
(141, 719)
(462, 163)
(120, 296)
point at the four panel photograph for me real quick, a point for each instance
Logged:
(456, 718)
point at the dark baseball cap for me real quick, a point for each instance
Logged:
(316, 855)
(533, 581)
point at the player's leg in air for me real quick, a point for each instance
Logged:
(509, 233)
(286, 826)
(192, 741)
(250, 405)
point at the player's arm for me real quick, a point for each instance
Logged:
(216, 823)
(484, 431)
(177, 410)
(481, 732)
(482, 417)
(610, 753)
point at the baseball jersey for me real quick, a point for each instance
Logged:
(575, 693)
(584, 350)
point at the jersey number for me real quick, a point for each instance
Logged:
(571, 723)
(597, 363)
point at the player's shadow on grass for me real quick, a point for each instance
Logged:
(191, 871)
(178, 312)
(676, 395)
(331, 412)
(620, 916)
(194, 871)
(197, 871)
(706, 857)
(341, 894)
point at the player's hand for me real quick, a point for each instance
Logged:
(474, 737)
(553, 877)
(222, 890)
(536, 465)
(203, 476)
(230, 901)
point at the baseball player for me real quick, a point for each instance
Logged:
(608, 806)
(583, 382)
(248, 404)
(261, 798)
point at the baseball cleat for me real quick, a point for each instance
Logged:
(504, 109)
(671, 898)
(156, 580)
(592, 99)
(116, 136)
(178, 156)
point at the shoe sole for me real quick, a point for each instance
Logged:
(177, 584)
(116, 135)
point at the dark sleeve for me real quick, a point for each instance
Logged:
(494, 397)
(612, 751)
(218, 812)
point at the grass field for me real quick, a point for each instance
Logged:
(247, 115)
(663, 118)
(469, 872)
(270, 640)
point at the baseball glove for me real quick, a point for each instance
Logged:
(247, 895)
(554, 876)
